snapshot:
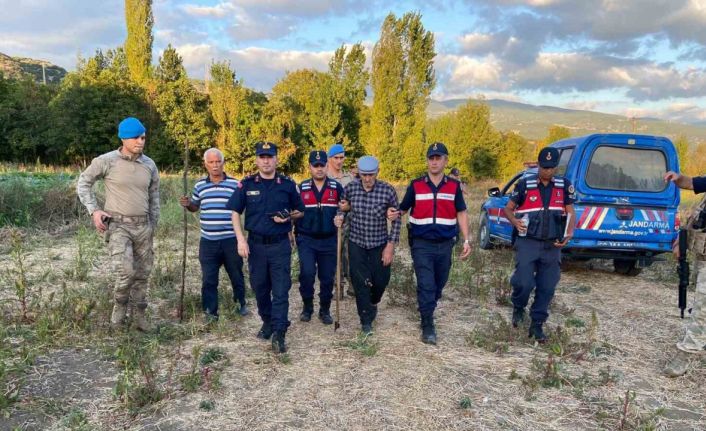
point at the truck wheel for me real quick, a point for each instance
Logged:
(626, 267)
(484, 233)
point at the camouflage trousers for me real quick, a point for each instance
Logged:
(694, 340)
(131, 255)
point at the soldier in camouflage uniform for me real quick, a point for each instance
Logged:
(694, 341)
(129, 218)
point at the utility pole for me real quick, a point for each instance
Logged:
(44, 74)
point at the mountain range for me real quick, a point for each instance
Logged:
(533, 122)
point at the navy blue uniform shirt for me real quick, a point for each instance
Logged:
(699, 184)
(518, 195)
(260, 199)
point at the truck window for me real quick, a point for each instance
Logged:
(564, 158)
(627, 169)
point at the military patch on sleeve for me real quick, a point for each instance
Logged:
(571, 189)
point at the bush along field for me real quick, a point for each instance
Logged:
(62, 368)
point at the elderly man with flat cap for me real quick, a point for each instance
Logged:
(269, 200)
(128, 219)
(538, 209)
(371, 244)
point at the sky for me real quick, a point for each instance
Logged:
(644, 58)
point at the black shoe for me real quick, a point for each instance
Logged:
(307, 311)
(325, 317)
(278, 343)
(428, 331)
(366, 329)
(537, 332)
(244, 310)
(518, 316)
(265, 331)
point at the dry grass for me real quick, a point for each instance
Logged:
(329, 380)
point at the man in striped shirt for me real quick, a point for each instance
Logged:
(218, 245)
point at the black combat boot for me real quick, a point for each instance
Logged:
(536, 331)
(265, 331)
(428, 330)
(278, 343)
(325, 313)
(518, 316)
(307, 311)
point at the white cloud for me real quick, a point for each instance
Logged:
(462, 75)
(260, 68)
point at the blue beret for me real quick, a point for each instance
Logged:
(130, 128)
(266, 149)
(317, 158)
(368, 165)
(336, 149)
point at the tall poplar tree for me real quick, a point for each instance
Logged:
(347, 67)
(402, 81)
(138, 45)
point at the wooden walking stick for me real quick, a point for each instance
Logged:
(337, 324)
(183, 256)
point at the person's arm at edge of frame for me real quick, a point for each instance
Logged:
(394, 235)
(154, 197)
(84, 189)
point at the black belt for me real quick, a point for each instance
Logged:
(317, 235)
(435, 241)
(267, 239)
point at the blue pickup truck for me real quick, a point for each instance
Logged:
(624, 209)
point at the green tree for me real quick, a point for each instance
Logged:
(516, 150)
(351, 79)
(474, 145)
(402, 80)
(237, 112)
(138, 45)
(555, 133)
(182, 109)
(682, 146)
(306, 101)
(25, 120)
(90, 104)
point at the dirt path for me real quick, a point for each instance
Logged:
(327, 382)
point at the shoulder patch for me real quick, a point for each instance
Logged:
(571, 189)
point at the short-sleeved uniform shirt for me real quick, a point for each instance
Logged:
(409, 199)
(520, 193)
(212, 198)
(699, 184)
(261, 198)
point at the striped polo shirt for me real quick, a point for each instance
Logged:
(211, 198)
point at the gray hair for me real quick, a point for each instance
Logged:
(213, 151)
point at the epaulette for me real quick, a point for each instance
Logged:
(306, 184)
(559, 182)
(531, 182)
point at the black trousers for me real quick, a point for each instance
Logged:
(369, 278)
